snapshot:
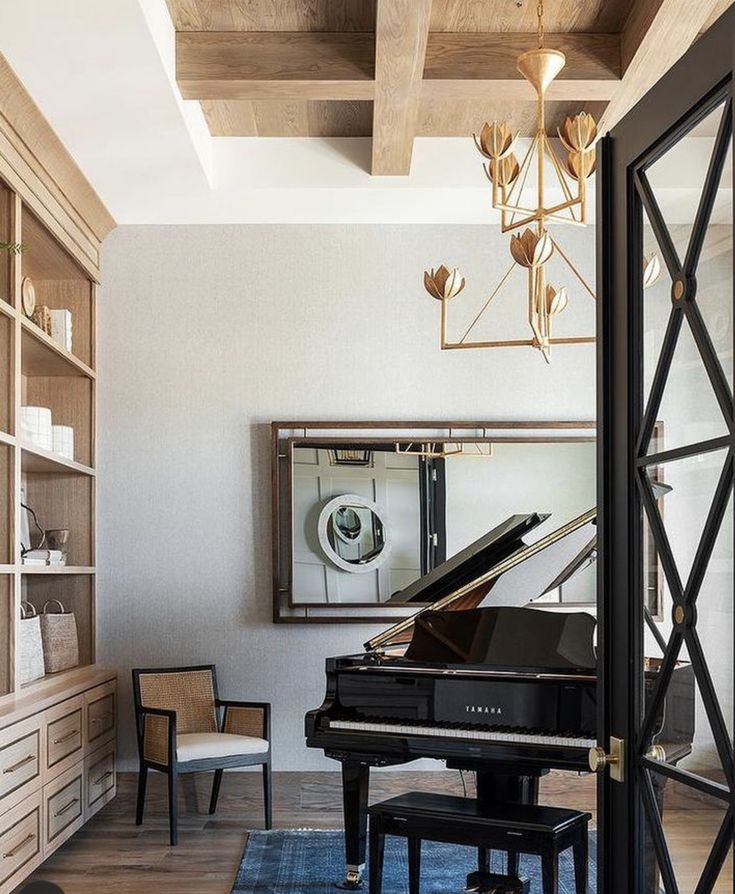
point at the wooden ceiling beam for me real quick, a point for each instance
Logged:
(656, 34)
(401, 33)
(325, 66)
(275, 65)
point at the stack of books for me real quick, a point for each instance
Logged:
(61, 328)
(44, 557)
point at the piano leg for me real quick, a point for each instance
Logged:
(355, 785)
(507, 788)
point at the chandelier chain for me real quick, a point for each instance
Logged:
(540, 14)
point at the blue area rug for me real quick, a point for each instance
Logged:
(310, 862)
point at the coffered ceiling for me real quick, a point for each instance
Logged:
(397, 69)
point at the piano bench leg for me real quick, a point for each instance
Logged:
(513, 863)
(414, 865)
(483, 859)
(377, 852)
(550, 873)
(581, 861)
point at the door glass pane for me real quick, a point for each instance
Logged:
(677, 179)
(691, 484)
(690, 823)
(657, 284)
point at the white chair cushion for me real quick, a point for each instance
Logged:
(209, 746)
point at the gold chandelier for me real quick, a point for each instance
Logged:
(532, 245)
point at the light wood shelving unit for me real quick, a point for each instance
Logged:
(64, 724)
(40, 372)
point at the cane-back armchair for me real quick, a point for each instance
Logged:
(184, 727)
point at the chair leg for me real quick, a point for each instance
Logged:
(549, 873)
(173, 807)
(414, 865)
(377, 852)
(268, 794)
(140, 807)
(581, 863)
(216, 783)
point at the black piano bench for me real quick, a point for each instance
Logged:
(514, 828)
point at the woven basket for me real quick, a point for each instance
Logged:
(60, 640)
(30, 647)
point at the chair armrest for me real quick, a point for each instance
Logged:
(246, 718)
(157, 735)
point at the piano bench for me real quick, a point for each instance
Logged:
(514, 828)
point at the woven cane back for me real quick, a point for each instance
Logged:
(189, 693)
(245, 722)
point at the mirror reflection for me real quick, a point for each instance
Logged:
(369, 519)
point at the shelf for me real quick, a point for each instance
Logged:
(42, 356)
(5, 438)
(53, 569)
(35, 459)
(6, 308)
(60, 677)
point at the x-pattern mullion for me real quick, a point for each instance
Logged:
(655, 827)
(663, 678)
(711, 704)
(711, 530)
(709, 192)
(660, 537)
(717, 856)
(710, 360)
(660, 378)
(660, 230)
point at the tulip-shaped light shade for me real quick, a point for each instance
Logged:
(442, 283)
(651, 270)
(496, 140)
(556, 300)
(530, 249)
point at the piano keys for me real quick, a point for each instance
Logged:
(479, 679)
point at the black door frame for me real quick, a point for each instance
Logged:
(652, 126)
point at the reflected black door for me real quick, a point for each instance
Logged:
(666, 480)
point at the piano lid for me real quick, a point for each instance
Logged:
(504, 570)
(507, 638)
(469, 563)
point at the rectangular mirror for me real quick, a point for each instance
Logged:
(362, 510)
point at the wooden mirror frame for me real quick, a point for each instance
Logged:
(285, 436)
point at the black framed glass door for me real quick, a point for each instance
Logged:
(666, 482)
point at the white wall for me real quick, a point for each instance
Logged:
(209, 333)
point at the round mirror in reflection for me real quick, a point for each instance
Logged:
(353, 534)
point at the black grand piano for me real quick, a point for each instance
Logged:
(479, 679)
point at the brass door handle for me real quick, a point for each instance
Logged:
(102, 778)
(21, 763)
(599, 759)
(69, 735)
(18, 847)
(657, 753)
(63, 810)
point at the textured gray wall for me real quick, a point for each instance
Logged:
(209, 333)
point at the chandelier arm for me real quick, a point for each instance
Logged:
(574, 269)
(487, 303)
(521, 181)
(559, 170)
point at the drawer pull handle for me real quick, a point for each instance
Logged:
(21, 763)
(63, 810)
(70, 735)
(102, 778)
(19, 847)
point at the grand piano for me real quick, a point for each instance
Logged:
(479, 679)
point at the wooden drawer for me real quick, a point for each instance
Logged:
(100, 714)
(101, 779)
(20, 761)
(64, 733)
(63, 807)
(20, 841)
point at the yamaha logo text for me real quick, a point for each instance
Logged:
(482, 709)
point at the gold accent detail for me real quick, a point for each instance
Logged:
(679, 614)
(18, 846)
(22, 763)
(445, 449)
(599, 759)
(656, 753)
(531, 245)
(678, 290)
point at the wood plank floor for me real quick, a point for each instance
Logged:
(112, 854)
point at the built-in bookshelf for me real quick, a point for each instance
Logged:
(48, 208)
(42, 372)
